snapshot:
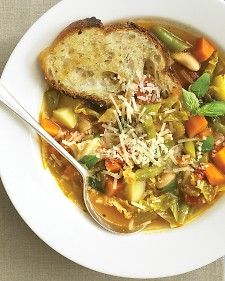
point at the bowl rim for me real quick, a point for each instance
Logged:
(6, 76)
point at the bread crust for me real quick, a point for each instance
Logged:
(88, 23)
(78, 26)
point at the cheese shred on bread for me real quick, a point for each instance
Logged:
(93, 61)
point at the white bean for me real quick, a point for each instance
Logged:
(187, 60)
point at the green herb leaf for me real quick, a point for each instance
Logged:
(95, 183)
(212, 109)
(89, 161)
(201, 85)
(207, 144)
(190, 101)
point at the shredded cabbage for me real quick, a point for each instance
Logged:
(208, 191)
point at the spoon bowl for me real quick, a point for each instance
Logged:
(7, 99)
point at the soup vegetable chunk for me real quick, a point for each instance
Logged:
(154, 157)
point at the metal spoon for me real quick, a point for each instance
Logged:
(11, 103)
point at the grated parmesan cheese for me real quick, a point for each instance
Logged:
(183, 169)
(116, 106)
(118, 121)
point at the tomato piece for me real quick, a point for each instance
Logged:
(113, 165)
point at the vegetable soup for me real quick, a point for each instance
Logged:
(154, 157)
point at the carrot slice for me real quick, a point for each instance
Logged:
(50, 126)
(113, 165)
(219, 159)
(214, 175)
(195, 125)
(203, 49)
(206, 133)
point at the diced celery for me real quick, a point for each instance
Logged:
(149, 127)
(210, 68)
(179, 129)
(52, 100)
(170, 144)
(189, 147)
(170, 101)
(204, 158)
(154, 107)
(148, 172)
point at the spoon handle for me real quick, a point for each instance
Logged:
(11, 103)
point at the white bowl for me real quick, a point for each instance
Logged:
(34, 192)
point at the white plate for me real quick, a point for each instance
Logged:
(34, 192)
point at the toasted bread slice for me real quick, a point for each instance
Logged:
(92, 61)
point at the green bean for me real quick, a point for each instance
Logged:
(219, 127)
(175, 116)
(172, 42)
(148, 172)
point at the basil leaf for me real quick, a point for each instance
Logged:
(207, 144)
(190, 101)
(89, 161)
(212, 109)
(201, 85)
